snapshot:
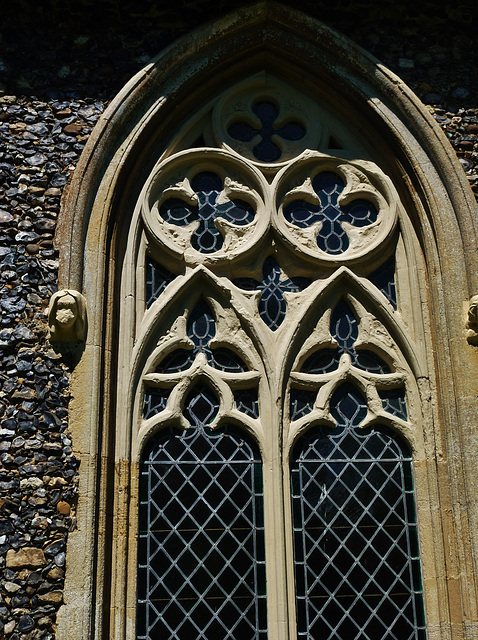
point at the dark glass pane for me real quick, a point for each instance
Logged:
(267, 113)
(242, 131)
(176, 211)
(157, 279)
(267, 151)
(343, 326)
(226, 360)
(201, 545)
(206, 184)
(301, 402)
(155, 400)
(360, 213)
(247, 401)
(321, 361)
(384, 279)
(393, 401)
(178, 360)
(292, 131)
(370, 361)
(302, 213)
(201, 327)
(201, 406)
(356, 550)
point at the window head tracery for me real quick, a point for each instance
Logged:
(261, 296)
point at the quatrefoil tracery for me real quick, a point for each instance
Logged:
(332, 237)
(206, 207)
(333, 211)
(268, 122)
(267, 134)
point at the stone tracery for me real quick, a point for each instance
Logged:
(223, 209)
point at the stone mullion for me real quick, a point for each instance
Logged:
(278, 601)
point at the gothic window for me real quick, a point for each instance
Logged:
(276, 248)
(275, 395)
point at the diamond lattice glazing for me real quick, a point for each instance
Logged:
(356, 549)
(201, 534)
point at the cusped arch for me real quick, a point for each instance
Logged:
(398, 134)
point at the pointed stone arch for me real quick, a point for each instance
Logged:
(98, 231)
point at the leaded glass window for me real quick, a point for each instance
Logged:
(276, 394)
(201, 532)
(355, 538)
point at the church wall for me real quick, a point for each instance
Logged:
(58, 72)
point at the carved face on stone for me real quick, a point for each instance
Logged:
(67, 316)
(66, 311)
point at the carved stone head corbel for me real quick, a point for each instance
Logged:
(67, 317)
(472, 321)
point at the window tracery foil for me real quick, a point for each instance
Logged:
(270, 312)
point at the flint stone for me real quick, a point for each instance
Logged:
(8, 486)
(20, 601)
(31, 483)
(37, 159)
(10, 626)
(52, 191)
(22, 333)
(33, 444)
(44, 224)
(59, 180)
(27, 557)
(5, 216)
(460, 93)
(73, 129)
(55, 573)
(25, 393)
(432, 98)
(13, 305)
(34, 578)
(39, 128)
(26, 623)
(5, 526)
(63, 508)
(54, 597)
(26, 236)
(24, 365)
(45, 621)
